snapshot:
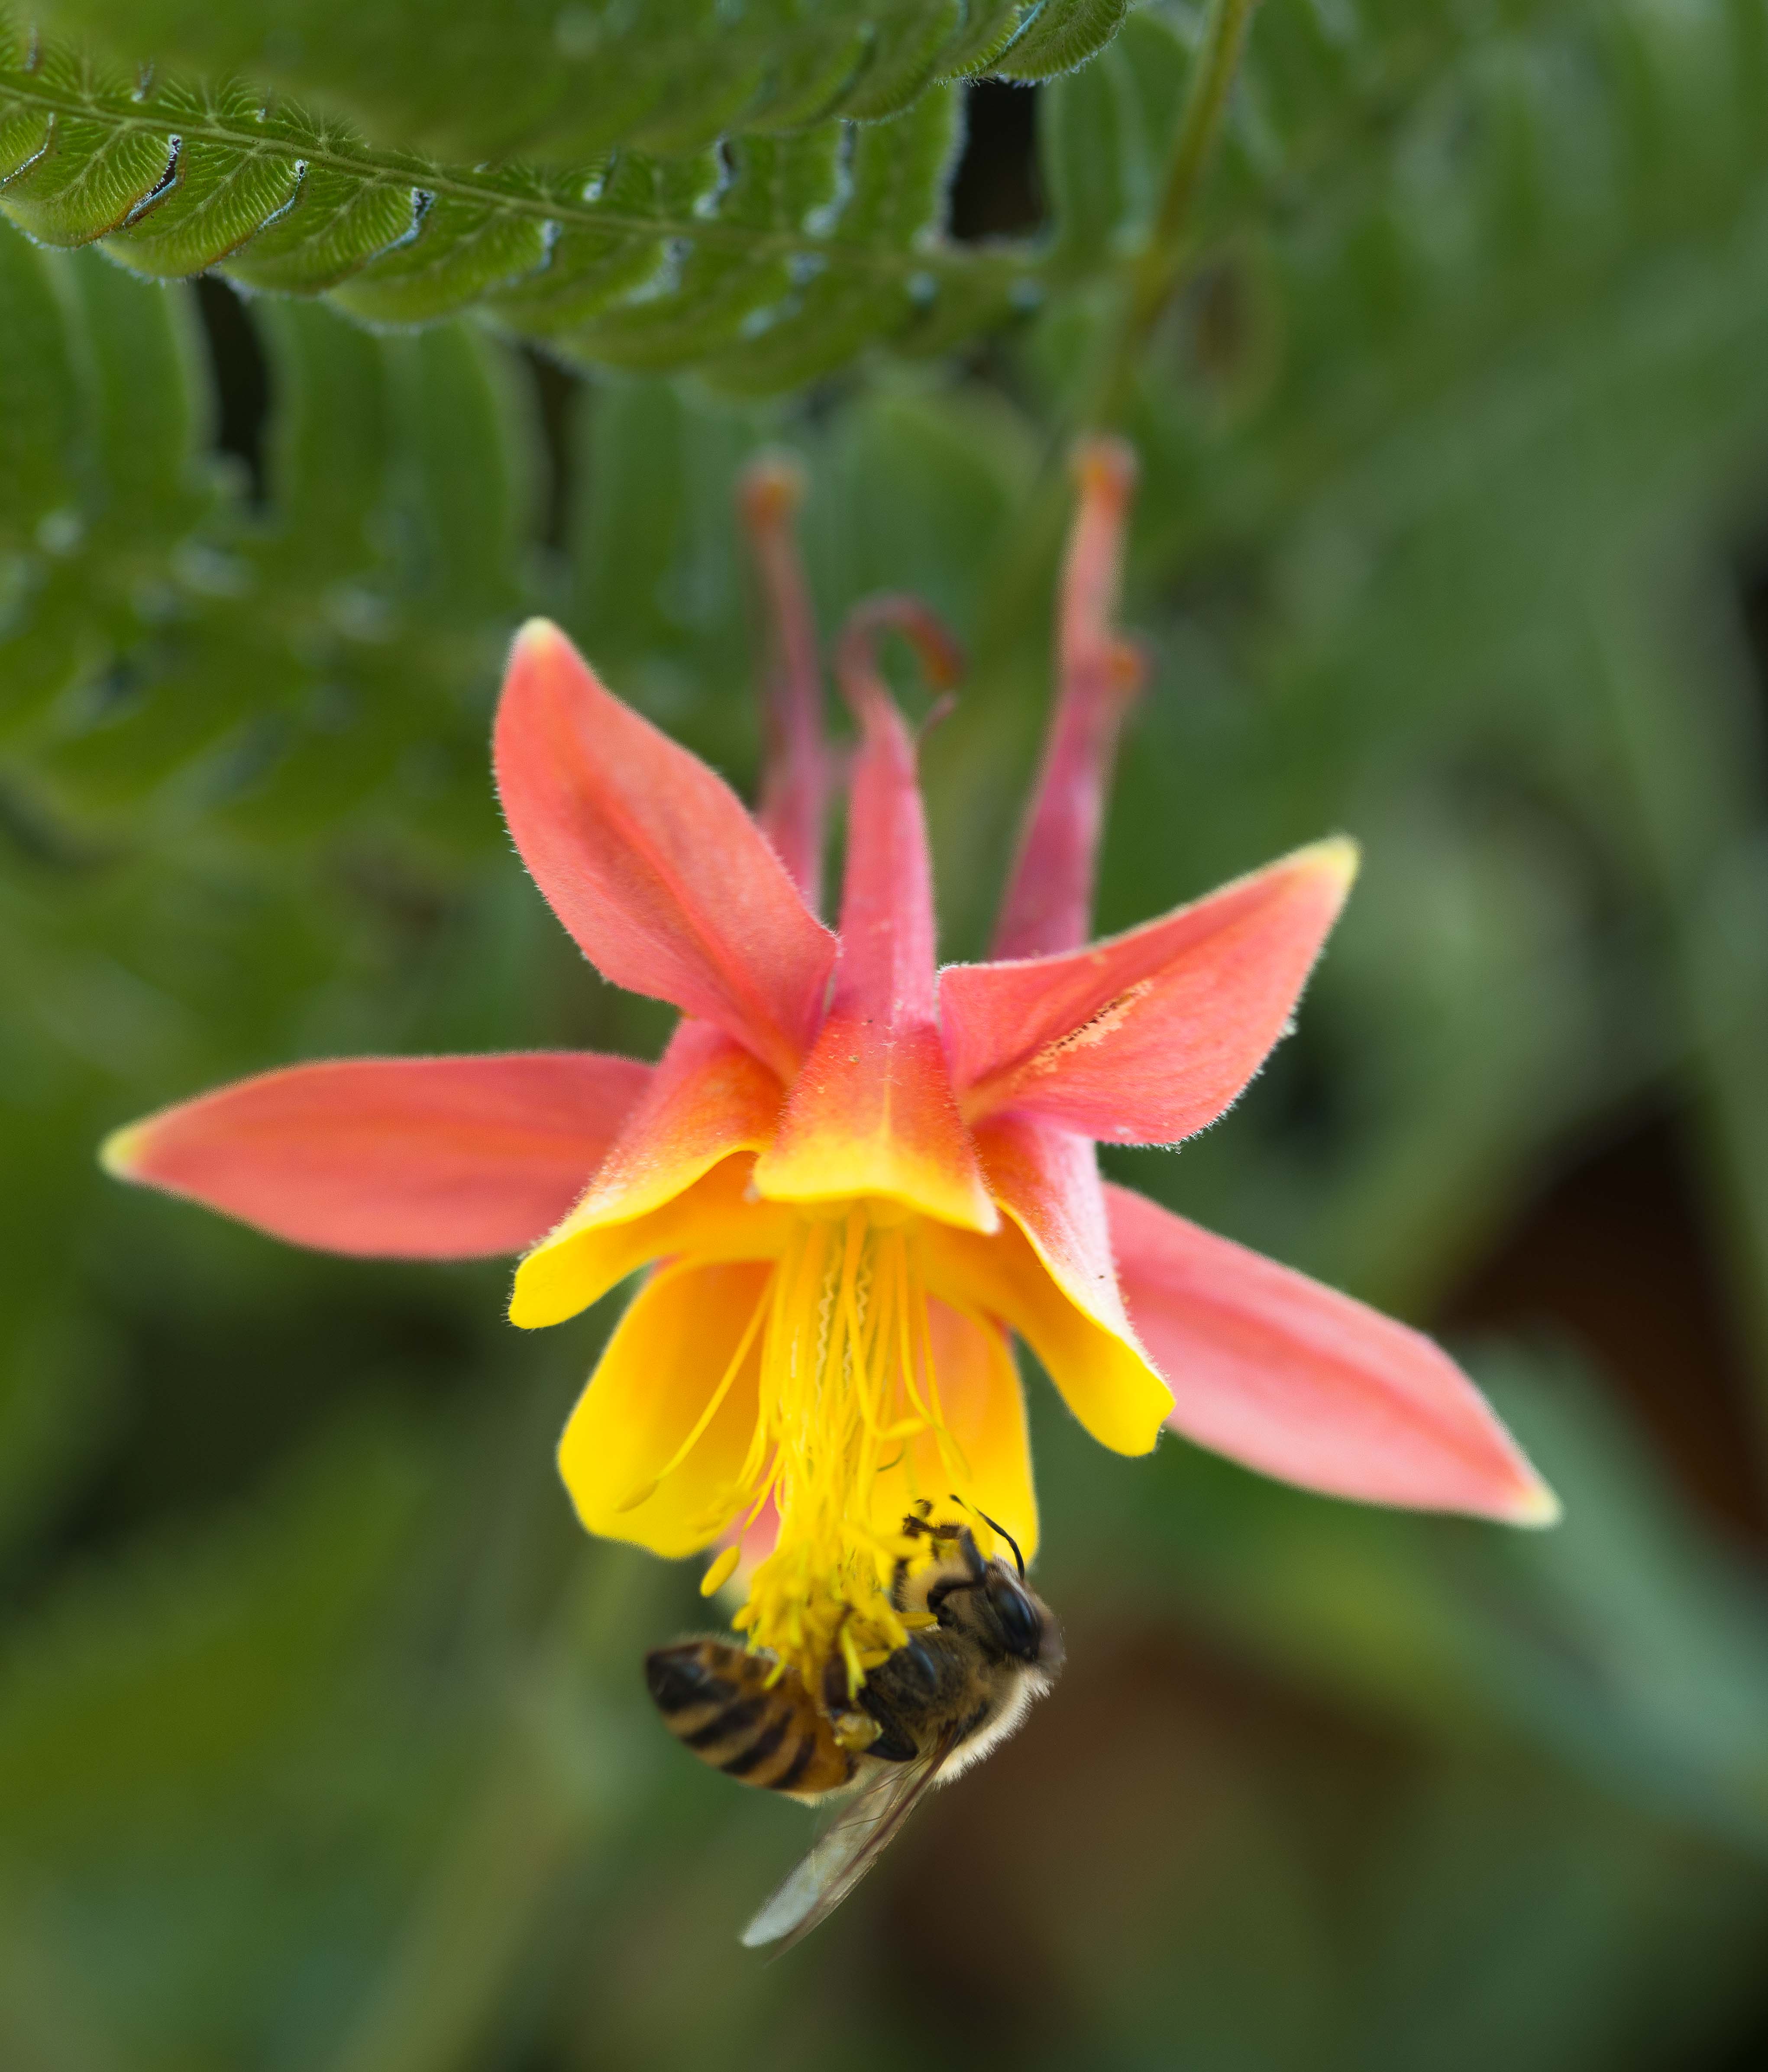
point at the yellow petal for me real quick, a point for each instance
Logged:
(1103, 1375)
(667, 1357)
(708, 1101)
(715, 1218)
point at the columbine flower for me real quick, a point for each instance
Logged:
(852, 1177)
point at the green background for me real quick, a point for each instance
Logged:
(323, 1739)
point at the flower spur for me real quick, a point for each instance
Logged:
(852, 1178)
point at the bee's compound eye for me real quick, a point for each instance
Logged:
(1021, 1630)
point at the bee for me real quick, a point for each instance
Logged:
(929, 1711)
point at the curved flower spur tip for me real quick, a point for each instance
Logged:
(1310, 1386)
(796, 780)
(1105, 472)
(392, 1158)
(937, 649)
(1048, 902)
(649, 859)
(1149, 1036)
(770, 490)
(1105, 466)
(871, 1114)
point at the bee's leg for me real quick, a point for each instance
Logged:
(916, 1526)
(892, 1745)
(948, 1586)
(905, 1687)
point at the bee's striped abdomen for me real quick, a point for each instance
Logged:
(716, 1700)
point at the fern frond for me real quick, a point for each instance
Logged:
(165, 651)
(782, 255)
(533, 79)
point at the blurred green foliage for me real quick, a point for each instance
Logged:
(321, 1739)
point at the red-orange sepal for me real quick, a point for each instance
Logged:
(1147, 1037)
(650, 861)
(1300, 1382)
(392, 1158)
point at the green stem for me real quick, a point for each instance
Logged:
(1161, 266)
(1162, 260)
(1153, 277)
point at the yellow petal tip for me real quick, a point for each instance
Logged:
(119, 1154)
(550, 1287)
(1340, 855)
(1536, 1509)
(535, 633)
(532, 1307)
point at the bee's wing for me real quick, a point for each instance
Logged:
(840, 1859)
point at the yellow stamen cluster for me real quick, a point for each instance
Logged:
(847, 1386)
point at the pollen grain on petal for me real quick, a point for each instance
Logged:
(1091, 1032)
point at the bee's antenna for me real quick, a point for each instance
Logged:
(1001, 1529)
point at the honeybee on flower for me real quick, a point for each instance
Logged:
(853, 1178)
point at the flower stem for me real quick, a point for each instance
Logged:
(1153, 277)
(1161, 266)
(1162, 260)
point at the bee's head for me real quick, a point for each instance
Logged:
(989, 1600)
(1015, 1620)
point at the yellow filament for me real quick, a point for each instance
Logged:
(706, 1416)
(845, 1386)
